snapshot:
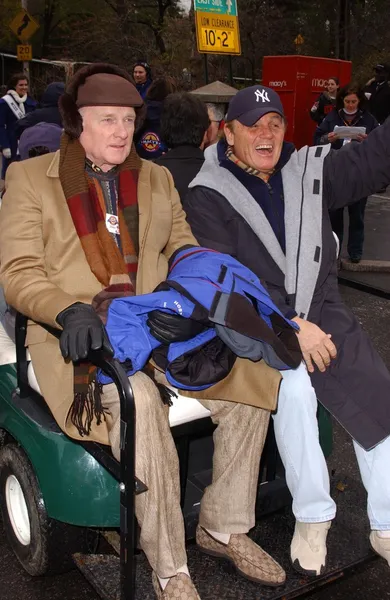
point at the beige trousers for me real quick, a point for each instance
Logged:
(228, 505)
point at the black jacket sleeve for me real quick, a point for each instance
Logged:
(28, 121)
(317, 110)
(279, 300)
(372, 123)
(358, 169)
(206, 216)
(321, 133)
(207, 223)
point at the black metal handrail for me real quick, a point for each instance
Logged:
(129, 485)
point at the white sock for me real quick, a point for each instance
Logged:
(165, 580)
(224, 538)
(383, 534)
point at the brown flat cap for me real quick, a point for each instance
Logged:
(107, 89)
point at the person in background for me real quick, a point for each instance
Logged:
(326, 101)
(149, 143)
(350, 111)
(47, 112)
(216, 116)
(36, 141)
(184, 128)
(142, 75)
(13, 106)
(378, 93)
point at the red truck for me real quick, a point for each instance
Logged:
(299, 80)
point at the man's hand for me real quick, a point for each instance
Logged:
(6, 153)
(332, 137)
(82, 331)
(361, 136)
(316, 345)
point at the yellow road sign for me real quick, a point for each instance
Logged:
(218, 34)
(24, 26)
(299, 40)
(24, 52)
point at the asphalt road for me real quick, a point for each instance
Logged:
(370, 582)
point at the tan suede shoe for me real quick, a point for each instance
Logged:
(179, 587)
(248, 558)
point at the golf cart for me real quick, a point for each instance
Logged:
(58, 496)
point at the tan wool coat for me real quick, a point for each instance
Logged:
(44, 270)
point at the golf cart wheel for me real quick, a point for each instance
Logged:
(41, 544)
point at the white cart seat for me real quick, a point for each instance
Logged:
(183, 410)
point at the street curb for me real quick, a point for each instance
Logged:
(373, 266)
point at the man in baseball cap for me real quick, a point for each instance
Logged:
(255, 128)
(266, 204)
(378, 93)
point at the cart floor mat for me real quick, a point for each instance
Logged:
(348, 545)
(103, 573)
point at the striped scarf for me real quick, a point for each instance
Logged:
(115, 269)
(231, 156)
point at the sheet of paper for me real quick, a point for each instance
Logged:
(349, 132)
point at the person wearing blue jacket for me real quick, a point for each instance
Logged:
(13, 106)
(350, 111)
(149, 142)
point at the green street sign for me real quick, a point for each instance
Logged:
(221, 7)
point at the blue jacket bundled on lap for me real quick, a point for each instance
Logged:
(214, 289)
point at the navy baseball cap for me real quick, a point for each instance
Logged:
(382, 67)
(252, 103)
(41, 134)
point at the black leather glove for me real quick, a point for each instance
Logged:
(168, 328)
(82, 331)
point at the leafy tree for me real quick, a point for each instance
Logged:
(149, 14)
(121, 31)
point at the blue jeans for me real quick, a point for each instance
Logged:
(296, 432)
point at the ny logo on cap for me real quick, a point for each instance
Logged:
(262, 95)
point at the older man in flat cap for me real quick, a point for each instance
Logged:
(85, 225)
